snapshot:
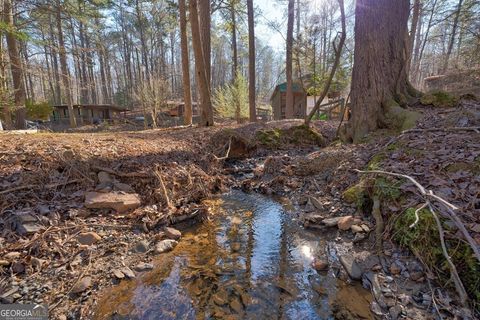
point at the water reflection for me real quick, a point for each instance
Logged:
(251, 262)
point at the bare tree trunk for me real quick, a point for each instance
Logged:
(234, 41)
(15, 66)
(91, 75)
(452, 36)
(413, 31)
(251, 62)
(380, 79)
(418, 40)
(417, 74)
(187, 95)
(338, 55)
(7, 116)
(64, 67)
(202, 80)
(205, 27)
(142, 39)
(54, 58)
(289, 107)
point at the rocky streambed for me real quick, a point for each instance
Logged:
(253, 260)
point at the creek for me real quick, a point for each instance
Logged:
(251, 260)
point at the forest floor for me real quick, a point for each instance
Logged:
(80, 211)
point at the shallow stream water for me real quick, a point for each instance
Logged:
(251, 261)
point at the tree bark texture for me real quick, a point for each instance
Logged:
(15, 67)
(187, 96)
(379, 81)
(64, 67)
(289, 107)
(251, 62)
(200, 70)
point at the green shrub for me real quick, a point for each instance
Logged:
(38, 111)
(231, 101)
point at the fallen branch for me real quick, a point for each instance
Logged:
(416, 215)
(456, 278)
(429, 194)
(33, 186)
(162, 186)
(476, 129)
(228, 151)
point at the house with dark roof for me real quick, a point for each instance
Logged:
(278, 101)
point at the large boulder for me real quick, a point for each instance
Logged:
(119, 201)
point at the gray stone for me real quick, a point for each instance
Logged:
(123, 187)
(172, 233)
(26, 224)
(141, 246)
(359, 237)
(88, 238)
(104, 177)
(121, 202)
(352, 267)
(356, 229)
(143, 267)
(375, 308)
(118, 273)
(128, 272)
(315, 202)
(82, 285)
(165, 246)
(331, 222)
(395, 312)
(43, 210)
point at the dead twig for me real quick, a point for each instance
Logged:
(451, 208)
(476, 129)
(162, 186)
(416, 215)
(228, 151)
(33, 186)
(456, 278)
(428, 194)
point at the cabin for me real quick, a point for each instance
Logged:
(278, 101)
(86, 113)
(177, 108)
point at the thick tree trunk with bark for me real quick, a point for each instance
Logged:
(64, 67)
(15, 66)
(289, 107)
(187, 96)
(380, 86)
(251, 62)
(200, 70)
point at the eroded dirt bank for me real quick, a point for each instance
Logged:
(81, 212)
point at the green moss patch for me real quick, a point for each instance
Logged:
(424, 240)
(298, 135)
(439, 99)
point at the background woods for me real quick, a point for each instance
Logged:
(66, 52)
